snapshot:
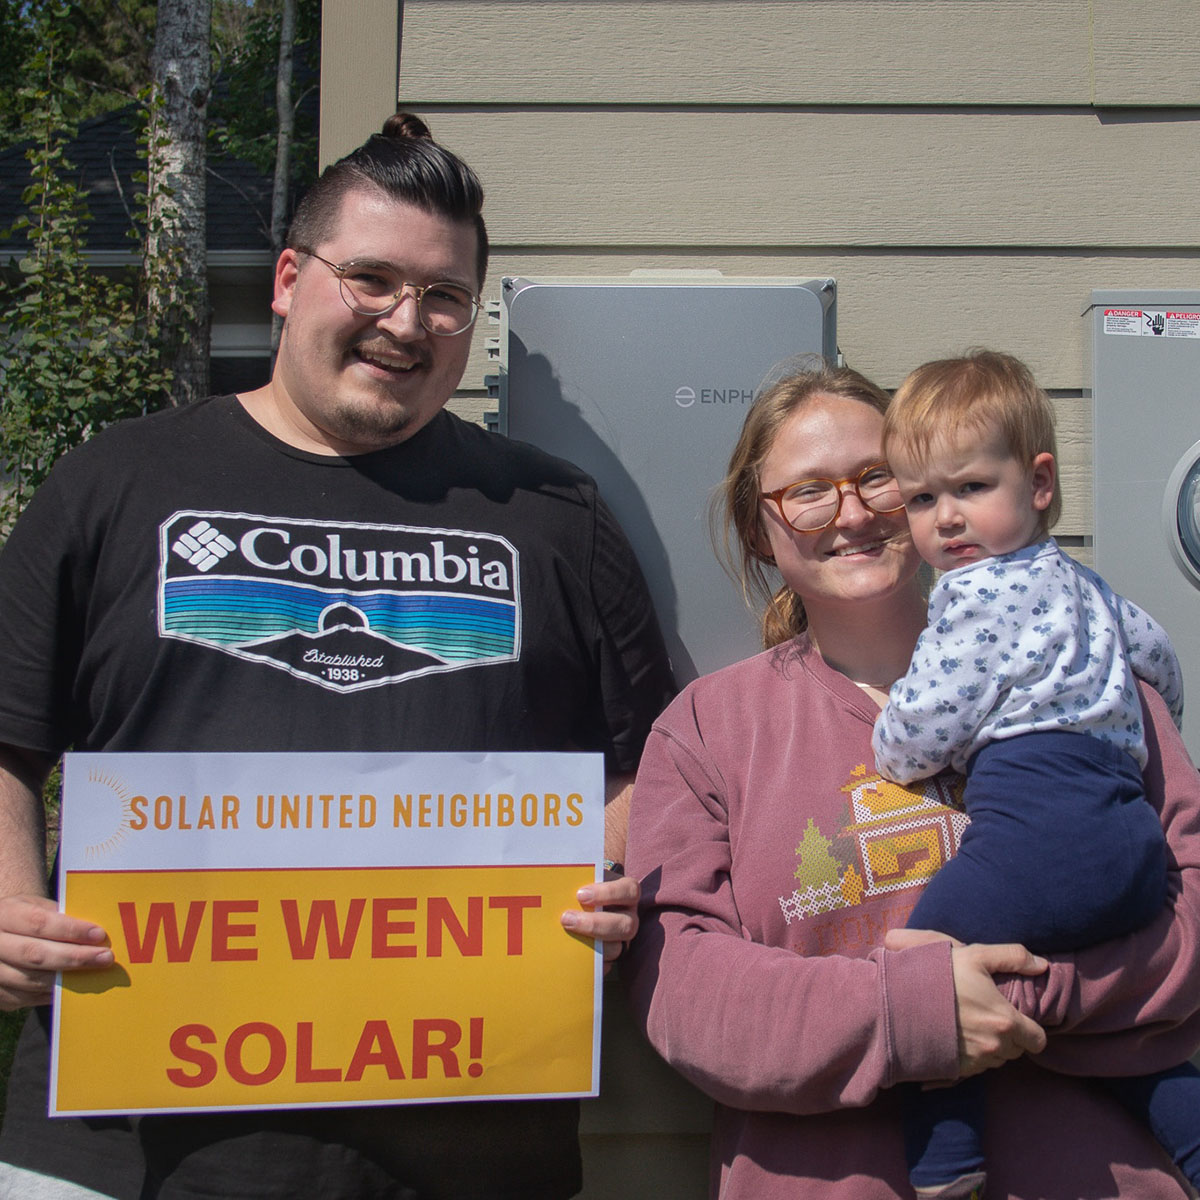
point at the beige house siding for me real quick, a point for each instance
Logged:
(1145, 53)
(715, 53)
(968, 171)
(360, 58)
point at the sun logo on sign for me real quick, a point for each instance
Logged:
(101, 814)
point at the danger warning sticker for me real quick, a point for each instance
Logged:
(1152, 322)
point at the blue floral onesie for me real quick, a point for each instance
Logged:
(1023, 680)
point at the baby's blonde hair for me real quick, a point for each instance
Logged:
(983, 392)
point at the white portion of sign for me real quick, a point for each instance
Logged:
(165, 811)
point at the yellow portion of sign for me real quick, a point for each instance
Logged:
(326, 986)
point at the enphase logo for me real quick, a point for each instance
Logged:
(732, 394)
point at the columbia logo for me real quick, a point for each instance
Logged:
(203, 546)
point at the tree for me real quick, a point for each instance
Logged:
(285, 119)
(176, 248)
(110, 51)
(102, 45)
(259, 112)
(106, 46)
(13, 31)
(77, 352)
(276, 133)
(100, 61)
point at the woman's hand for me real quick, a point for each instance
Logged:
(990, 1030)
(608, 914)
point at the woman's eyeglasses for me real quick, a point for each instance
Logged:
(813, 504)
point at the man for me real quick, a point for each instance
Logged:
(242, 574)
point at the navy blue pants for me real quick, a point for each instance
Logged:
(1062, 852)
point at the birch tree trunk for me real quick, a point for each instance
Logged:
(176, 257)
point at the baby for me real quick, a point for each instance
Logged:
(1023, 680)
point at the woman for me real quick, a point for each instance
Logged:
(775, 860)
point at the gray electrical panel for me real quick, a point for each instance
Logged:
(1144, 369)
(644, 383)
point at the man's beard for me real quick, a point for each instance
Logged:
(375, 425)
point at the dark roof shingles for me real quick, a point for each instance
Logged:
(104, 158)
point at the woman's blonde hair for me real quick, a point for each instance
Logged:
(737, 513)
(984, 392)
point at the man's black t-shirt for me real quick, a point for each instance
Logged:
(187, 582)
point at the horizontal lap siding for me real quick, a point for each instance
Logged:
(766, 178)
(898, 309)
(1146, 53)
(747, 52)
(359, 55)
(941, 52)
(965, 170)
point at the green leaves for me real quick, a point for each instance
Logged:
(80, 348)
(242, 120)
(76, 351)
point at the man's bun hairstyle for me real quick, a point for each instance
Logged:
(408, 166)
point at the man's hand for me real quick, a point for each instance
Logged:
(609, 915)
(36, 940)
(990, 1030)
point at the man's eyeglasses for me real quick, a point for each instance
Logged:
(375, 289)
(813, 504)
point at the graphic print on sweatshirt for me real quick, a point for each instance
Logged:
(343, 605)
(887, 838)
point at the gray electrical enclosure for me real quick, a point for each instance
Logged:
(1144, 364)
(644, 383)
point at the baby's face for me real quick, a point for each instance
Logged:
(970, 499)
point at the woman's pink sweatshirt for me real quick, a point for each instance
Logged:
(773, 860)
